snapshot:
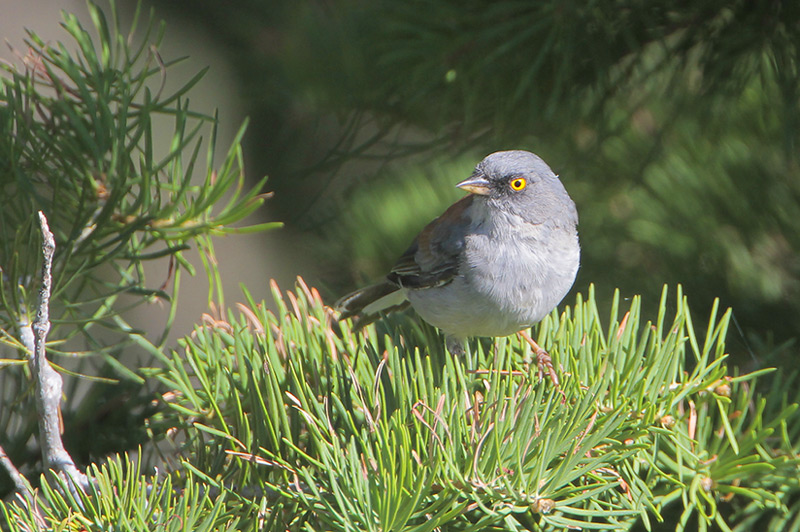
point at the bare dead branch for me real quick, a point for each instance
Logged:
(21, 484)
(48, 381)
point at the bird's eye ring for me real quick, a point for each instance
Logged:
(518, 183)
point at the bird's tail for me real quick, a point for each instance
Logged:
(367, 303)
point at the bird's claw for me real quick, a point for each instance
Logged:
(544, 363)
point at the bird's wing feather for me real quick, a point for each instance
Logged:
(433, 257)
(356, 302)
(431, 260)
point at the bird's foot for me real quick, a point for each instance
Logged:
(543, 362)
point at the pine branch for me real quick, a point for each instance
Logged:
(373, 432)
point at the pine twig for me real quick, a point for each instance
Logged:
(48, 381)
(21, 484)
(22, 487)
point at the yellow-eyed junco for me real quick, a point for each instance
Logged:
(496, 262)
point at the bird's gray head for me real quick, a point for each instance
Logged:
(521, 183)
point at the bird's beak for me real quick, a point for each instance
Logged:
(475, 184)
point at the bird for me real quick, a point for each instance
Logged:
(495, 263)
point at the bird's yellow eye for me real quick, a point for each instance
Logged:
(518, 183)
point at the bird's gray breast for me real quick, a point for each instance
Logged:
(521, 270)
(511, 274)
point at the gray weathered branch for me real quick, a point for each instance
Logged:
(20, 482)
(48, 381)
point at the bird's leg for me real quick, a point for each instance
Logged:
(459, 347)
(543, 360)
(456, 346)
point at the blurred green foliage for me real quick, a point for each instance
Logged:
(673, 125)
(383, 216)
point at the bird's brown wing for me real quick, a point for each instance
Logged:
(433, 258)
